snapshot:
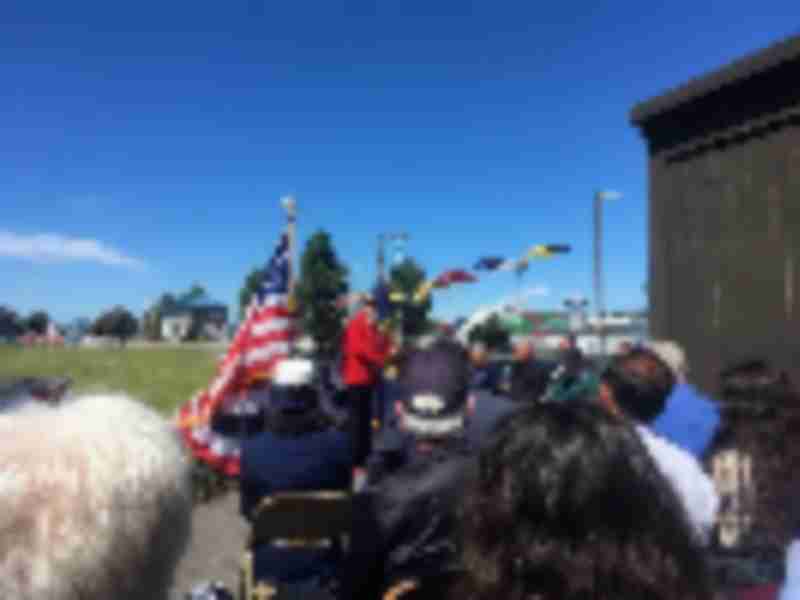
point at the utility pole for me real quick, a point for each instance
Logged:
(599, 295)
(381, 258)
(382, 239)
(599, 285)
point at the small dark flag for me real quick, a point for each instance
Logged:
(489, 263)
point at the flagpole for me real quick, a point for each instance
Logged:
(290, 206)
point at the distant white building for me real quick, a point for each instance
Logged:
(201, 317)
(176, 327)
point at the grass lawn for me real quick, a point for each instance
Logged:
(162, 377)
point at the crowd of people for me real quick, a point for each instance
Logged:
(563, 481)
(575, 483)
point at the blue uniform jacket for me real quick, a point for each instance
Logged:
(270, 464)
(689, 419)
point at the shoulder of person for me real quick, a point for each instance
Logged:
(791, 585)
(256, 444)
(693, 486)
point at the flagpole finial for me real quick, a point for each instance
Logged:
(290, 206)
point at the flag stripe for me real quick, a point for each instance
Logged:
(264, 327)
(257, 341)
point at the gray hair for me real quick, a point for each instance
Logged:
(95, 501)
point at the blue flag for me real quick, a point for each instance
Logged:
(383, 305)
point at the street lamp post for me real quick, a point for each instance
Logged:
(599, 287)
(576, 307)
(382, 239)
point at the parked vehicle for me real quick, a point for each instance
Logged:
(17, 391)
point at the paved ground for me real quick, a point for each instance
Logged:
(218, 536)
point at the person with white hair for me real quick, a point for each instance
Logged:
(95, 501)
(689, 418)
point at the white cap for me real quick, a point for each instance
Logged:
(294, 372)
(672, 354)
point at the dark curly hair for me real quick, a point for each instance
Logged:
(641, 383)
(760, 410)
(567, 504)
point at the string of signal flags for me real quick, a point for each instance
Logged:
(486, 263)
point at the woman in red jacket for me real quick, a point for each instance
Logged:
(365, 351)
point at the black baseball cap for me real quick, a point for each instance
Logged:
(434, 383)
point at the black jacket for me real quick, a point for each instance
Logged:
(407, 524)
(529, 380)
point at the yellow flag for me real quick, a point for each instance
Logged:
(423, 291)
(538, 251)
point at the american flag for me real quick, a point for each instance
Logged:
(263, 339)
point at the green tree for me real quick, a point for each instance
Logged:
(406, 277)
(492, 333)
(151, 324)
(195, 292)
(11, 325)
(117, 322)
(38, 322)
(249, 288)
(323, 280)
(151, 321)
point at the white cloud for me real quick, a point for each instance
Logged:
(54, 248)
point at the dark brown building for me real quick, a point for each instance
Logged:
(724, 170)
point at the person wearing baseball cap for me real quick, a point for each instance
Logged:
(299, 451)
(407, 525)
(635, 387)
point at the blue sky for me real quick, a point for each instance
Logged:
(146, 145)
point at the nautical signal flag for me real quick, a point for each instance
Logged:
(454, 276)
(489, 263)
(423, 290)
(546, 250)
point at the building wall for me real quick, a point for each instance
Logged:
(175, 328)
(725, 251)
